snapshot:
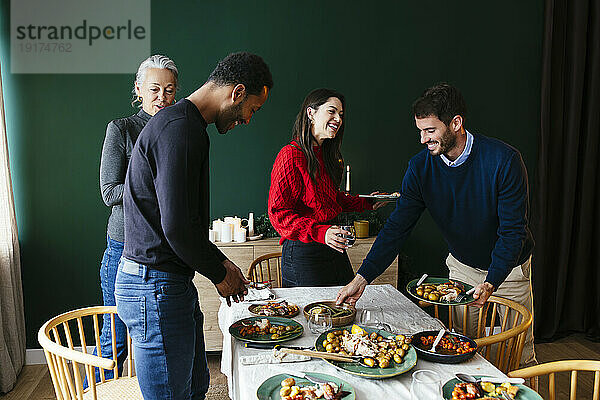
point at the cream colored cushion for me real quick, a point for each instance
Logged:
(122, 388)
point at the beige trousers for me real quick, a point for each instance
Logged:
(516, 287)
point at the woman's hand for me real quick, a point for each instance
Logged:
(379, 204)
(334, 241)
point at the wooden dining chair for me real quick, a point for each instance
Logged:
(551, 368)
(500, 339)
(265, 267)
(65, 346)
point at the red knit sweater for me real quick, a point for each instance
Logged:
(298, 207)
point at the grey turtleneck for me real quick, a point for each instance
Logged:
(121, 135)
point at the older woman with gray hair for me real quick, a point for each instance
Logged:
(154, 88)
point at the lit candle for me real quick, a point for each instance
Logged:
(348, 178)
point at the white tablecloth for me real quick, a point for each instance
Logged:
(401, 313)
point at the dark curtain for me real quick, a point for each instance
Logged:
(566, 274)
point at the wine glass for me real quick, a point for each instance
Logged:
(372, 317)
(319, 320)
(350, 238)
(425, 384)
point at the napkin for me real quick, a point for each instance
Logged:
(272, 359)
(259, 294)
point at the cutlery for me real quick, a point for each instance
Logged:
(299, 374)
(471, 379)
(270, 346)
(421, 280)
(463, 295)
(437, 339)
(264, 303)
(322, 354)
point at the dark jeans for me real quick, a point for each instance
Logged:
(314, 264)
(108, 274)
(164, 320)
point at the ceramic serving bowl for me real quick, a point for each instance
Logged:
(344, 317)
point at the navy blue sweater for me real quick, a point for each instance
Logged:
(166, 198)
(481, 207)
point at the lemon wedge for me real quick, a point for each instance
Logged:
(357, 329)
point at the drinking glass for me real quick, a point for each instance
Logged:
(351, 238)
(425, 384)
(319, 320)
(372, 317)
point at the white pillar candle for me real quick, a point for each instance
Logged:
(212, 235)
(348, 178)
(217, 228)
(240, 235)
(251, 224)
(226, 233)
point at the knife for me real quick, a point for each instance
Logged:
(270, 346)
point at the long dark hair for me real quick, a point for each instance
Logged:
(332, 156)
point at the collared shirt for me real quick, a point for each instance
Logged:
(463, 156)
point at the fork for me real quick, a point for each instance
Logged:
(461, 296)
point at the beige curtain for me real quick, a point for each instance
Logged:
(12, 317)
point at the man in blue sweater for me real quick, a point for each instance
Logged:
(476, 190)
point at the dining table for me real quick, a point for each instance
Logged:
(400, 313)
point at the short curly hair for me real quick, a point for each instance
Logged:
(245, 68)
(443, 101)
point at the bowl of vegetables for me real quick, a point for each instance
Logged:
(341, 315)
(453, 347)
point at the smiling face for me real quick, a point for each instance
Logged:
(241, 111)
(157, 90)
(438, 137)
(326, 119)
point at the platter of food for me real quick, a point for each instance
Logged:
(275, 309)
(341, 315)
(384, 354)
(381, 196)
(441, 291)
(453, 348)
(288, 387)
(266, 329)
(455, 390)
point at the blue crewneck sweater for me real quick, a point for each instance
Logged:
(481, 207)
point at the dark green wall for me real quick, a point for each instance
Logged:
(381, 54)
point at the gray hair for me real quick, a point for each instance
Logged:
(155, 61)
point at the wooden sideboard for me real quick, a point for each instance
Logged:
(242, 254)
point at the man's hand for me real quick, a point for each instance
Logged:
(352, 291)
(234, 284)
(482, 292)
(334, 241)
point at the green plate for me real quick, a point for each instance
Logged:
(234, 330)
(411, 288)
(410, 359)
(256, 308)
(269, 389)
(524, 392)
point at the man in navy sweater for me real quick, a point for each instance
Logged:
(476, 190)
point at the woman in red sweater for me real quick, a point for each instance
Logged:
(304, 198)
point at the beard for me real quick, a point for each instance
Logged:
(446, 143)
(227, 117)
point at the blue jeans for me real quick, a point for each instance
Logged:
(108, 273)
(163, 316)
(314, 264)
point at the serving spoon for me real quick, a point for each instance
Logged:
(437, 339)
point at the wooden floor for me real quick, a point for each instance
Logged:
(34, 382)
